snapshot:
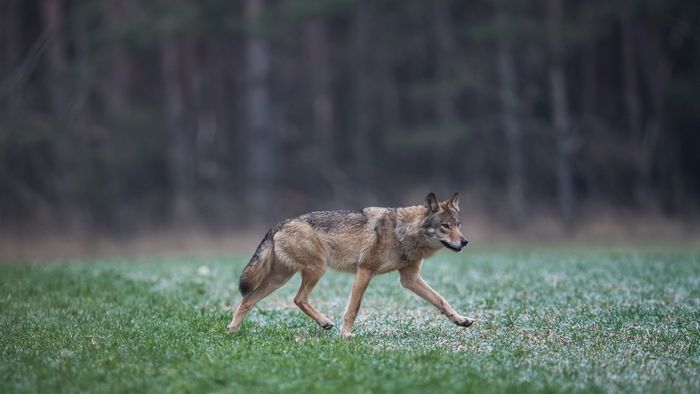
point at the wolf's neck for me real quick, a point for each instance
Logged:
(413, 244)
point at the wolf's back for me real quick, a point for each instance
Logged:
(258, 267)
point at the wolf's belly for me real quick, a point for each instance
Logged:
(347, 262)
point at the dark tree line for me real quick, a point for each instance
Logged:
(118, 113)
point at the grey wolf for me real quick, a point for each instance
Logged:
(368, 242)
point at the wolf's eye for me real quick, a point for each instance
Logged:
(445, 226)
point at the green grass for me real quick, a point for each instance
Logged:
(566, 320)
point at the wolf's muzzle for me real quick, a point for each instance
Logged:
(448, 245)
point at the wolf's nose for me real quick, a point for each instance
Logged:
(464, 242)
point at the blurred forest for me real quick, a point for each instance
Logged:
(122, 115)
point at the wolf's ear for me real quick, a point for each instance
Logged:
(454, 201)
(431, 202)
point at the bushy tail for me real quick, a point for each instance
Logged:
(258, 267)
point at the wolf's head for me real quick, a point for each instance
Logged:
(442, 223)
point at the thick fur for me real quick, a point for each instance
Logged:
(258, 267)
(372, 240)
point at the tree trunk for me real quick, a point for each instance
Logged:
(631, 95)
(52, 16)
(444, 59)
(261, 139)
(629, 74)
(182, 155)
(510, 121)
(114, 84)
(389, 91)
(10, 38)
(560, 113)
(589, 105)
(83, 119)
(589, 77)
(390, 120)
(205, 121)
(361, 143)
(322, 109)
(657, 73)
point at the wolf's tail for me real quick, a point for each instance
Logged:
(258, 267)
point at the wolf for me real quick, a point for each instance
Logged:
(367, 242)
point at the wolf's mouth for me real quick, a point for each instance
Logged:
(448, 246)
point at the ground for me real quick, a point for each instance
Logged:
(547, 320)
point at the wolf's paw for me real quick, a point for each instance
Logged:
(464, 322)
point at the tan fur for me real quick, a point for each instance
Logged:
(368, 243)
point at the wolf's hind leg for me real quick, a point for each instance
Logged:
(309, 278)
(275, 279)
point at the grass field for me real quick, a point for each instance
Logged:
(548, 320)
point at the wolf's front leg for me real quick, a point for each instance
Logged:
(411, 279)
(358, 290)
